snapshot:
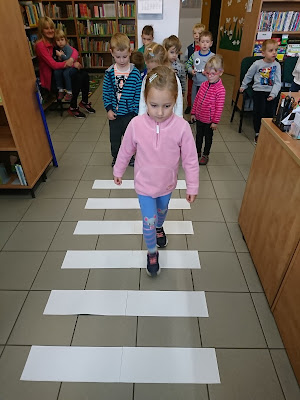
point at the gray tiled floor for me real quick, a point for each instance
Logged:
(36, 233)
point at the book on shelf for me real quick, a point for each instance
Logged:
(126, 10)
(4, 177)
(92, 60)
(33, 11)
(20, 173)
(279, 21)
(128, 29)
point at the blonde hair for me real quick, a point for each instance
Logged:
(172, 41)
(43, 21)
(119, 41)
(137, 58)
(266, 42)
(215, 62)
(148, 30)
(161, 78)
(206, 34)
(156, 52)
(199, 26)
(59, 34)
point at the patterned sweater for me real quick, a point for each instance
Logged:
(209, 102)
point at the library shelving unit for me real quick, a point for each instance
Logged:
(89, 26)
(251, 25)
(21, 126)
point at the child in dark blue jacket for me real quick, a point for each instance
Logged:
(121, 92)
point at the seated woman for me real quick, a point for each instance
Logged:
(80, 80)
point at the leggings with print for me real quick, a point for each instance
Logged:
(154, 212)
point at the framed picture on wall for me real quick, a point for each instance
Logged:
(191, 3)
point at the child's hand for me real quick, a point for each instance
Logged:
(59, 53)
(241, 90)
(213, 126)
(270, 98)
(111, 115)
(69, 62)
(193, 118)
(77, 65)
(194, 72)
(190, 198)
(117, 180)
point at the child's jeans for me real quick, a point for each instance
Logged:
(117, 128)
(195, 89)
(154, 212)
(63, 78)
(203, 131)
(262, 108)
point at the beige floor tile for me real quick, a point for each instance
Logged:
(245, 169)
(237, 237)
(68, 172)
(12, 388)
(6, 229)
(220, 272)
(119, 242)
(105, 331)
(13, 209)
(221, 159)
(230, 209)
(250, 272)
(34, 328)
(113, 279)
(96, 391)
(91, 136)
(204, 210)
(85, 190)
(180, 279)
(57, 189)
(240, 147)
(11, 303)
(32, 236)
(229, 189)
(170, 392)
(124, 193)
(18, 269)
(168, 332)
(245, 374)
(46, 210)
(65, 239)
(74, 159)
(62, 136)
(60, 147)
(175, 242)
(122, 215)
(102, 147)
(233, 136)
(267, 321)
(225, 173)
(76, 211)
(210, 236)
(235, 313)
(243, 158)
(97, 172)
(52, 276)
(100, 159)
(285, 374)
(81, 147)
(219, 147)
(206, 191)
(67, 128)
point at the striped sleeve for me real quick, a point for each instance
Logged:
(107, 92)
(220, 100)
(190, 63)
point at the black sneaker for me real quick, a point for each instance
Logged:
(113, 161)
(131, 162)
(87, 107)
(161, 238)
(153, 268)
(76, 113)
(188, 110)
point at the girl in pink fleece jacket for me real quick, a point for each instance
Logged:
(208, 106)
(159, 138)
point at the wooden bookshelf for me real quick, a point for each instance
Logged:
(21, 126)
(251, 25)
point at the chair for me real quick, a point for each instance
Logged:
(248, 93)
(288, 67)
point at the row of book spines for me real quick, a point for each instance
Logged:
(93, 60)
(94, 45)
(33, 13)
(101, 11)
(95, 28)
(20, 173)
(126, 10)
(126, 28)
(280, 21)
(54, 11)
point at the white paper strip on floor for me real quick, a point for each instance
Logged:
(133, 303)
(127, 184)
(130, 204)
(129, 228)
(94, 259)
(124, 365)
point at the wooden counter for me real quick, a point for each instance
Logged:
(270, 221)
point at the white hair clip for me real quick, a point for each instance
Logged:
(152, 77)
(151, 54)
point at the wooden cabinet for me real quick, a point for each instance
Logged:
(21, 125)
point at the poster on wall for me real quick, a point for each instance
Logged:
(231, 25)
(150, 6)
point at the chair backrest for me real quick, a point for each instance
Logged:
(246, 64)
(288, 67)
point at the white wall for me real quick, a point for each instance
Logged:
(165, 27)
(188, 18)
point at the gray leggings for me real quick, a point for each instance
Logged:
(194, 92)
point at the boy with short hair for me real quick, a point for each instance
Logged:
(147, 37)
(121, 92)
(196, 63)
(173, 46)
(197, 30)
(267, 84)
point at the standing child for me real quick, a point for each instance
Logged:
(196, 63)
(121, 92)
(197, 30)
(296, 73)
(208, 106)
(155, 55)
(266, 86)
(62, 52)
(159, 138)
(173, 46)
(147, 37)
(137, 58)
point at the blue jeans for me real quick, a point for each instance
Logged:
(63, 78)
(154, 212)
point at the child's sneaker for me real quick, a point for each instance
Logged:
(87, 107)
(204, 160)
(60, 96)
(161, 238)
(113, 161)
(153, 268)
(76, 113)
(131, 162)
(68, 97)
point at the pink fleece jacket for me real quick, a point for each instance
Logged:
(47, 64)
(158, 148)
